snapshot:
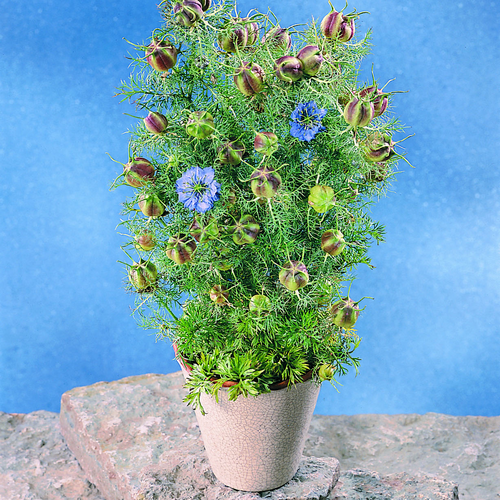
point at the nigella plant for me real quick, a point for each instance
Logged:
(248, 214)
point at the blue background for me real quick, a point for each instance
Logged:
(430, 337)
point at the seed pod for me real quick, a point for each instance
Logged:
(253, 32)
(219, 295)
(337, 26)
(233, 40)
(294, 275)
(156, 123)
(145, 241)
(161, 56)
(260, 305)
(311, 59)
(142, 275)
(249, 79)
(265, 143)
(379, 100)
(288, 69)
(205, 4)
(278, 37)
(231, 153)
(344, 312)
(378, 147)
(151, 205)
(326, 372)
(245, 231)
(265, 182)
(378, 174)
(200, 124)
(332, 242)
(358, 113)
(138, 172)
(187, 12)
(180, 248)
(321, 198)
(204, 232)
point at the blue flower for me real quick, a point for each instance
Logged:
(198, 189)
(306, 121)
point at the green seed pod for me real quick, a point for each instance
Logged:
(151, 205)
(278, 37)
(294, 275)
(265, 182)
(358, 113)
(187, 12)
(200, 124)
(245, 231)
(288, 69)
(180, 248)
(332, 242)
(204, 232)
(321, 198)
(231, 153)
(161, 56)
(378, 147)
(337, 26)
(344, 312)
(265, 143)
(377, 97)
(249, 79)
(233, 40)
(253, 31)
(156, 123)
(260, 305)
(142, 275)
(223, 259)
(219, 295)
(145, 241)
(138, 172)
(326, 372)
(311, 59)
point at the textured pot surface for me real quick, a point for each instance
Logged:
(256, 443)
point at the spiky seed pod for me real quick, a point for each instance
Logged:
(219, 295)
(249, 79)
(265, 182)
(156, 123)
(180, 248)
(245, 231)
(161, 56)
(336, 25)
(288, 69)
(142, 275)
(253, 31)
(378, 147)
(231, 152)
(200, 124)
(145, 241)
(326, 372)
(187, 12)
(344, 313)
(204, 232)
(311, 59)
(377, 97)
(332, 242)
(278, 37)
(223, 259)
(294, 275)
(358, 113)
(265, 143)
(321, 198)
(260, 305)
(138, 172)
(378, 173)
(151, 205)
(234, 39)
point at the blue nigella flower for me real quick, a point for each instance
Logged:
(197, 189)
(306, 121)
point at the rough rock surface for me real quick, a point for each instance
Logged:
(35, 462)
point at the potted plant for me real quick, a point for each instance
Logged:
(254, 160)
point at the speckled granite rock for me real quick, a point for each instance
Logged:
(35, 462)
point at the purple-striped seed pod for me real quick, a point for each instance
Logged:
(265, 182)
(311, 59)
(145, 241)
(188, 12)
(332, 242)
(138, 172)
(265, 143)
(347, 30)
(161, 56)
(337, 26)
(377, 97)
(260, 305)
(378, 147)
(231, 152)
(205, 4)
(151, 205)
(219, 295)
(180, 248)
(233, 40)
(344, 313)
(294, 275)
(156, 123)
(289, 69)
(253, 31)
(249, 79)
(321, 198)
(200, 124)
(358, 113)
(204, 232)
(278, 37)
(142, 275)
(245, 231)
